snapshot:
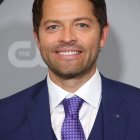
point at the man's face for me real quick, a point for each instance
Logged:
(70, 38)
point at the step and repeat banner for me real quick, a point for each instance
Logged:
(20, 62)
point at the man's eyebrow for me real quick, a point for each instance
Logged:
(75, 20)
(83, 18)
(51, 21)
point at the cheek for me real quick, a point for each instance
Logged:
(48, 39)
(91, 45)
(90, 42)
(47, 46)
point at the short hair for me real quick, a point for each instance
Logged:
(99, 10)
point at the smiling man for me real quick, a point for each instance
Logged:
(69, 38)
(74, 102)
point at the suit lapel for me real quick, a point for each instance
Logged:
(39, 120)
(114, 112)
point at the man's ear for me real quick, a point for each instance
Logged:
(104, 36)
(36, 37)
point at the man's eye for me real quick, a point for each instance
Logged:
(82, 25)
(53, 27)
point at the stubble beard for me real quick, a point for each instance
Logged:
(71, 73)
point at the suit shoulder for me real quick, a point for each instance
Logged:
(13, 109)
(120, 87)
(126, 87)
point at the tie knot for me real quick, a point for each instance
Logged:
(72, 105)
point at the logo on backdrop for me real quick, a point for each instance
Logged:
(1, 1)
(20, 55)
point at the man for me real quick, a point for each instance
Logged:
(74, 102)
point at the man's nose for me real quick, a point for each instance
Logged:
(67, 35)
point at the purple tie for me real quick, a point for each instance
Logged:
(71, 127)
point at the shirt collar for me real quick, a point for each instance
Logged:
(90, 92)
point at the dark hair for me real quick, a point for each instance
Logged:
(1, 1)
(100, 12)
(99, 8)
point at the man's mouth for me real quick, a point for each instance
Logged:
(68, 53)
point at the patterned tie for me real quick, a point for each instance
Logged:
(72, 128)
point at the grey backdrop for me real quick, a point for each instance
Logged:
(20, 62)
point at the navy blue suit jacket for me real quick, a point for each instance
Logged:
(26, 115)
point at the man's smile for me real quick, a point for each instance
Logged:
(68, 53)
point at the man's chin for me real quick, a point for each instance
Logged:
(67, 75)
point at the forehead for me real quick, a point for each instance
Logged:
(67, 7)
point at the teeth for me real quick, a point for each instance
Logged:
(69, 53)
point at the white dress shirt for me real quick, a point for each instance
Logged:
(90, 92)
